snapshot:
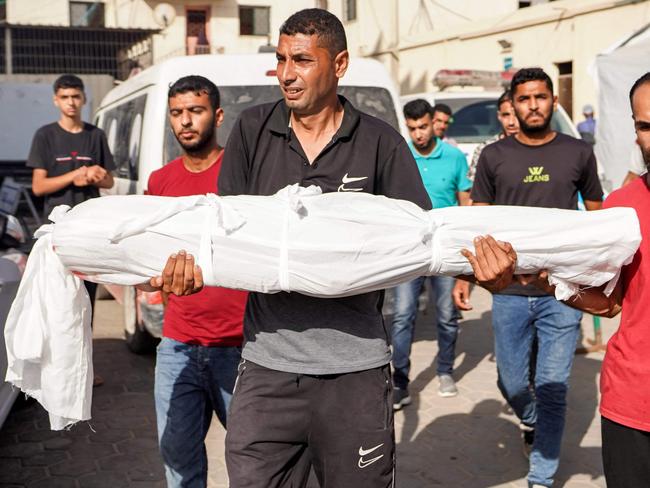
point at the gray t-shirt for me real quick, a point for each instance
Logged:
(293, 332)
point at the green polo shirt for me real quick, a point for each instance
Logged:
(443, 172)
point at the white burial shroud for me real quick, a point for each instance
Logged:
(299, 240)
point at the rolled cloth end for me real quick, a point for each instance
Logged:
(563, 289)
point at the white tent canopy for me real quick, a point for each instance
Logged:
(616, 70)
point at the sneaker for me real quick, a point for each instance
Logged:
(447, 386)
(401, 398)
(528, 436)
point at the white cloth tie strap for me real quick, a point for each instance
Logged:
(432, 238)
(293, 196)
(220, 218)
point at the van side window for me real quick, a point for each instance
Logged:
(123, 127)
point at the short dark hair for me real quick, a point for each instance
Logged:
(641, 81)
(197, 84)
(416, 109)
(68, 81)
(319, 22)
(443, 108)
(525, 75)
(506, 96)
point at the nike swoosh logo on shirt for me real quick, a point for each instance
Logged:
(352, 179)
(364, 464)
(363, 452)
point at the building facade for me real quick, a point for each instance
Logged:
(417, 38)
(414, 39)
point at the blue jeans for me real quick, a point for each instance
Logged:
(517, 320)
(406, 309)
(192, 382)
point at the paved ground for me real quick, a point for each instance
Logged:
(471, 440)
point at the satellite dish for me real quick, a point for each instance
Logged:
(164, 14)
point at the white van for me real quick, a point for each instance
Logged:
(134, 114)
(134, 117)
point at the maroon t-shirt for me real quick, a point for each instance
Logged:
(214, 316)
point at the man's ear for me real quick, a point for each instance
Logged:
(554, 103)
(341, 63)
(218, 117)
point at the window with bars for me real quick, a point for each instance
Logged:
(86, 14)
(84, 50)
(254, 21)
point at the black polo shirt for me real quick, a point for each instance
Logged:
(293, 332)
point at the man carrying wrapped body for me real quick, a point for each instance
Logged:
(298, 241)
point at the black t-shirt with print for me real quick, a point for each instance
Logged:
(550, 176)
(58, 151)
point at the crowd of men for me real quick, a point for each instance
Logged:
(312, 386)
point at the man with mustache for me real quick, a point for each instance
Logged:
(314, 385)
(196, 361)
(537, 167)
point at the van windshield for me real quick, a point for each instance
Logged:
(475, 120)
(235, 99)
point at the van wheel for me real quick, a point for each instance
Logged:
(138, 340)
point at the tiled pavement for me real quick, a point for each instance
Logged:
(467, 441)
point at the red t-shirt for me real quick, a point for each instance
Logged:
(214, 316)
(626, 369)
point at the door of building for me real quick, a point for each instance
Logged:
(197, 39)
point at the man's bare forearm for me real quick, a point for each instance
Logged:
(590, 300)
(595, 302)
(42, 185)
(463, 198)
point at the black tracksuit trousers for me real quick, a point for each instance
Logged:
(280, 424)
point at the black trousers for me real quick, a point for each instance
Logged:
(280, 424)
(626, 455)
